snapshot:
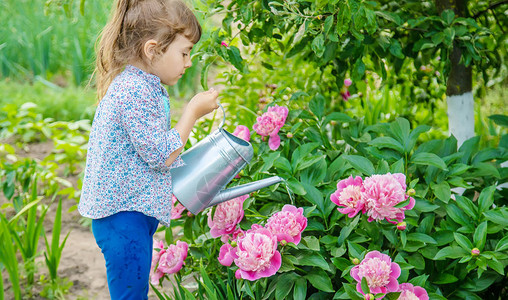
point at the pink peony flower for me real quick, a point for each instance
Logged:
(401, 226)
(345, 95)
(410, 292)
(171, 261)
(156, 254)
(242, 132)
(382, 193)
(227, 254)
(270, 123)
(379, 271)
(287, 224)
(227, 215)
(177, 210)
(257, 254)
(348, 82)
(349, 196)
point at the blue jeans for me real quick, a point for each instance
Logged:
(126, 240)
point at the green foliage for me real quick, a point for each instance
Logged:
(326, 146)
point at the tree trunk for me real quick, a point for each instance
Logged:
(459, 84)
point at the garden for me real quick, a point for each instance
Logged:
(387, 121)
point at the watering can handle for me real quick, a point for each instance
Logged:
(224, 115)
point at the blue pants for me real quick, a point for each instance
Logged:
(126, 240)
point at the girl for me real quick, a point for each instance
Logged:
(127, 185)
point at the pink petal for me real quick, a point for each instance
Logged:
(395, 268)
(274, 141)
(393, 285)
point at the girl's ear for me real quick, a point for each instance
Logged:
(149, 49)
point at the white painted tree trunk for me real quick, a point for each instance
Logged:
(461, 117)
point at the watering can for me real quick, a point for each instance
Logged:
(209, 166)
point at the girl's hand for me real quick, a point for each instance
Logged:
(203, 103)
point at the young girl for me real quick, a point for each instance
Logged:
(127, 185)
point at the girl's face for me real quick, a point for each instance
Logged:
(171, 65)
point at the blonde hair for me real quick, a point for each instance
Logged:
(132, 24)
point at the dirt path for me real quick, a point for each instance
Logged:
(82, 262)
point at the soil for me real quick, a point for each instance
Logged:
(82, 262)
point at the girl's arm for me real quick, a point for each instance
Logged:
(200, 105)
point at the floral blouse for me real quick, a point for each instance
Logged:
(129, 143)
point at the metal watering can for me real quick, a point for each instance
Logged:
(209, 166)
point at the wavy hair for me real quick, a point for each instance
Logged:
(134, 22)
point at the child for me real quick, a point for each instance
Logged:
(127, 185)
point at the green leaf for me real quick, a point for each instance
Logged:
(320, 280)
(235, 57)
(497, 217)
(301, 152)
(467, 206)
(360, 163)
(390, 16)
(338, 117)
(284, 285)
(351, 292)
(486, 198)
(398, 166)
(419, 280)
(457, 215)
(314, 196)
(421, 237)
(346, 230)
(450, 252)
(317, 105)
(444, 278)
(387, 142)
(358, 70)
(313, 259)
(448, 15)
(463, 241)
(300, 290)
(296, 186)
(496, 266)
(365, 286)
(426, 159)
(311, 242)
(442, 191)
(396, 49)
(480, 235)
(425, 206)
(318, 45)
(502, 244)
(501, 120)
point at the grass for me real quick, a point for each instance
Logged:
(62, 104)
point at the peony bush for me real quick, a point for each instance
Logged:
(366, 212)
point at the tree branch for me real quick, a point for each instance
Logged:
(492, 6)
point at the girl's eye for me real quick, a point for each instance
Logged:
(185, 54)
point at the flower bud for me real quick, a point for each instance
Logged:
(369, 297)
(355, 261)
(233, 243)
(348, 82)
(475, 252)
(333, 122)
(289, 135)
(401, 226)
(411, 192)
(224, 44)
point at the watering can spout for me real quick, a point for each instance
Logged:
(243, 189)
